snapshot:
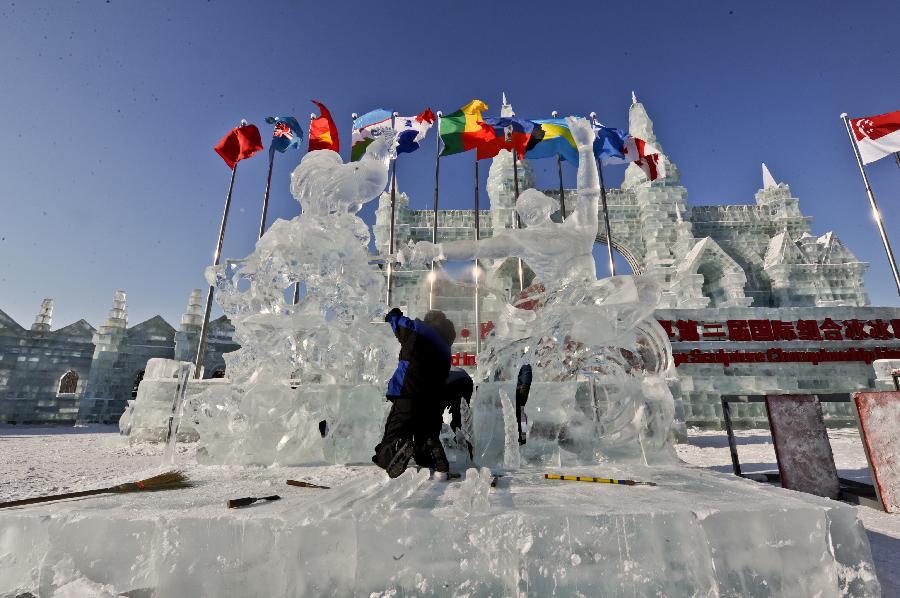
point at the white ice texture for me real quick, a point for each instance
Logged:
(598, 334)
(332, 345)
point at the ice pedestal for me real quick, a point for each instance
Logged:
(280, 424)
(697, 533)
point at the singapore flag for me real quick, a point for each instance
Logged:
(877, 136)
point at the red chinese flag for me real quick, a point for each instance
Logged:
(323, 133)
(238, 144)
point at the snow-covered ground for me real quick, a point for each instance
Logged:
(35, 461)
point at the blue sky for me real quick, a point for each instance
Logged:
(110, 110)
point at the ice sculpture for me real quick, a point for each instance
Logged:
(600, 333)
(331, 345)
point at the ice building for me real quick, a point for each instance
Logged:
(86, 374)
(750, 285)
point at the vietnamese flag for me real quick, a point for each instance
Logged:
(241, 142)
(323, 133)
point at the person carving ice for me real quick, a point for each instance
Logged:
(559, 254)
(415, 391)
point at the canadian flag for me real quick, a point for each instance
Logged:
(877, 136)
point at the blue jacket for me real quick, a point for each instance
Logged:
(424, 359)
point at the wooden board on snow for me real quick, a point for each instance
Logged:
(878, 415)
(805, 460)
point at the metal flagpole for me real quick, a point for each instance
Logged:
(562, 191)
(476, 270)
(434, 224)
(201, 348)
(609, 247)
(390, 272)
(265, 210)
(875, 212)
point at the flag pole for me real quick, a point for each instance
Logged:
(872, 202)
(265, 208)
(204, 329)
(562, 191)
(390, 272)
(609, 247)
(476, 269)
(434, 224)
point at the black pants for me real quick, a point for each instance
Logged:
(413, 419)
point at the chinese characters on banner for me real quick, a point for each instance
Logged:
(778, 331)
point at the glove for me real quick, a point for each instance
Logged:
(395, 313)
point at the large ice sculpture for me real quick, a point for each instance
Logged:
(330, 345)
(577, 329)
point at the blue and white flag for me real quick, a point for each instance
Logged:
(411, 130)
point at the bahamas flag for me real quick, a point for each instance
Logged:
(464, 130)
(287, 132)
(551, 137)
(363, 127)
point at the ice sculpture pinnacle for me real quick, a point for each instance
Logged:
(506, 109)
(118, 313)
(192, 319)
(42, 320)
(640, 125)
(768, 180)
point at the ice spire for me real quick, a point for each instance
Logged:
(118, 314)
(639, 123)
(42, 320)
(506, 109)
(768, 180)
(192, 319)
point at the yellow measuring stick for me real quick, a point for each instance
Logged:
(579, 478)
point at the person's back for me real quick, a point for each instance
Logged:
(424, 358)
(414, 389)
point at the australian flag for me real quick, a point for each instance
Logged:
(287, 132)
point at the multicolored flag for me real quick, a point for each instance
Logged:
(877, 136)
(240, 143)
(363, 127)
(464, 130)
(412, 129)
(323, 133)
(551, 137)
(287, 133)
(510, 133)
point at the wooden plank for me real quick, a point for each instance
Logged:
(805, 460)
(878, 416)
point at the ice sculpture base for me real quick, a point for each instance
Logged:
(697, 533)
